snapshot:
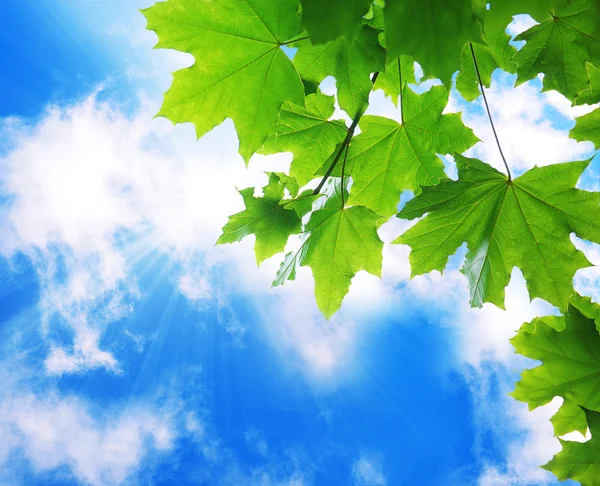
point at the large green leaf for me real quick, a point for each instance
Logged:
(580, 461)
(560, 47)
(240, 72)
(268, 218)
(350, 62)
(570, 361)
(308, 134)
(325, 21)
(587, 128)
(388, 157)
(524, 223)
(432, 32)
(338, 242)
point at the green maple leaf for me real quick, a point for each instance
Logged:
(569, 418)
(524, 223)
(580, 461)
(587, 128)
(591, 94)
(432, 32)
(388, 157)
(266, 217)
(240, 72)
(350, 62)
(570, 361)
(317, 18)
(338, 243)
(560, 47)
(308, 134)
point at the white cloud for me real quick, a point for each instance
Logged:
(526, 129)
(55, 431)
(367, 471)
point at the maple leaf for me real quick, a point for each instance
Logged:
(268, 218)
(350, 62)
(569, 418)
(580, 461)
(587, 128)
(308, 134)
(560, 46)
(388, 157)
(339, 242)
(317, 18)
(240, 72)
(525, 223)
(433, 32)
(570, 360)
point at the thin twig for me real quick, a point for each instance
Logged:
(487, 107)
(343, 171)
(345, 142)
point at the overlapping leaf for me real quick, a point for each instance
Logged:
(569, 418)
(570, 360)
(580, 461)
(350, 62)
(240, 70)
(308, 134)
(560, 47)
(591, 94)
(433, 32)
(325, 21)
(524, 223)
(388, 157)
(587, 128)
(339, 242)
(266, 217)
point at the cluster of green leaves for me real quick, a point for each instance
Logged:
(260, 63)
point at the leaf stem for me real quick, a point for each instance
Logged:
(292, 41)
(487, 107)
(344, 144)
(401, 91)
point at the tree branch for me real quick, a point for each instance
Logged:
(344, 144)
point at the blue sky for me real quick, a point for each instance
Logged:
(132, 351)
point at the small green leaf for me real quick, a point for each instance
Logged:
(240, 72)
(388, 158)
(432, 32)
(580, 461)
(389, 80)
(587, 128)
(266, 217)
(525, 223)
(308, 134)
(350, 62)
(569, 418)
(591, 94)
